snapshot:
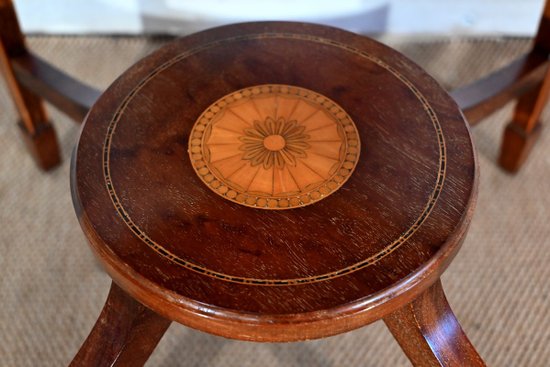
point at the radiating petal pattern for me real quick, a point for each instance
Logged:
(256, 151)
(274, 147)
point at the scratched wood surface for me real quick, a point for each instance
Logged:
(194, 256)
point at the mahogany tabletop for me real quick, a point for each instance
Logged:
(274, 181)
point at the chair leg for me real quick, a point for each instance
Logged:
(521, 134)
(125, 334)
(429, 333)
(38, 133)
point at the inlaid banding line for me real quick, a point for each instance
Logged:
(274, 282)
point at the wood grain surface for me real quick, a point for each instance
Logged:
(125, 333)
(353, 257)
(429, 333)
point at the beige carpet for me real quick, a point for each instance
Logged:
(51, 289)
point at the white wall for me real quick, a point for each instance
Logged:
(444, 17)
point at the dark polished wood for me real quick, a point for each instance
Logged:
(125, 334)
(542, 39)
(37, 131)
(154, 186)
(430, 334)
(41, 144)
(522, 132)
(11, 37)
(523, 79)
(29, 80)
(35, 79)
(483, 97)
(64, 92)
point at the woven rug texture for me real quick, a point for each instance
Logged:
(52, 289)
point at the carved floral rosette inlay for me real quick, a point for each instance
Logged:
(274, 147)
(275, 143)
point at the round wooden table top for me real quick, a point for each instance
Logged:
(274, 181)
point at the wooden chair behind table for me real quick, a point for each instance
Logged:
(31, 80)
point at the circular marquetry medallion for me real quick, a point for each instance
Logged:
(274, 146)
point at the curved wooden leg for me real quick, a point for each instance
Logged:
(125, 334)
(429, 333)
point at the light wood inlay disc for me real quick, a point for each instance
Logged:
(274, 147)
